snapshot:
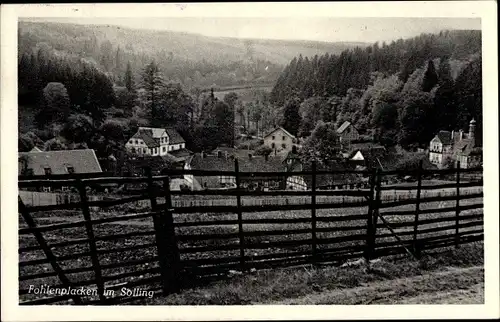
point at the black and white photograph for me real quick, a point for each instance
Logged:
(207, 160)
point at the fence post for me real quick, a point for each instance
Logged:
(92, 244)
(240, 215)
(457, 210)
(171, 248)
(378, 191)
(370, 232)
(159, 233)
(416, 246)
(313, 214)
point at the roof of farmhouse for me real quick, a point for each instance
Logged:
(82, 161)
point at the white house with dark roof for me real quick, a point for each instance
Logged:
(155, 141)
(280, 140)
(449, 147)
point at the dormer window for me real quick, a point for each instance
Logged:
(70, 170)
(48, 171)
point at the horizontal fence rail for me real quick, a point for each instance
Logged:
(163, 241)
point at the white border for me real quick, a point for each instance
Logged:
(11, 311)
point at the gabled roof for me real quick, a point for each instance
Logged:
(82, 161)
(343, 127)
(445, 137)
(147, 136)
(151, 135)
(280, 128)
(465, 147)
(155, 132)
(174, 136)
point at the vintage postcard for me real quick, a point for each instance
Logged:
(249, 161)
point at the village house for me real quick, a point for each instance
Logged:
(347, 133)
(45, 163)
(225, 162)
(155, 141)
(367, 156)
(447, 148)
(280, 141)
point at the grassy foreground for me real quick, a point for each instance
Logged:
(451, 276)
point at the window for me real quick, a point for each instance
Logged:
(144, 151)
(283, 138)
(65, 188)
(272, 145)
(164, 149)
(273, 137)
(283, 146)
(46, 189)
(136, 142)
(70, 170)
(48, 171)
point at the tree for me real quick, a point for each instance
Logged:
(54, 144)
(291, 117)
(129, 78)
(415, 109)
(113, 131)
(152, 83)
(263, 150)
(79, 128)
(469, 97)
(24, 143)
(322, 146)
(430, 77)
(55, 105)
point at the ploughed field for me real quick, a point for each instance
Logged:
(264, 238)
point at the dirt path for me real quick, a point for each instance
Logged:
(452, 286)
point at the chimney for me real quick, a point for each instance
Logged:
(472, 129)
(452, 133)
(461, 135)
(202, 154)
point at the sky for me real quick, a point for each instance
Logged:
(291, 28)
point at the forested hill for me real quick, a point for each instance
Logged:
(189, 59)
(401, 93)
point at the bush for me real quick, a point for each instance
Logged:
(263, 150)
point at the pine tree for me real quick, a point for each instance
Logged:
(291, 117)
(129, 78)
(152, 82)
(430, 77)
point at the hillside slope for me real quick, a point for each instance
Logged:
(191, 59)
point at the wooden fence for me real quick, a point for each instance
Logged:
(180, 246)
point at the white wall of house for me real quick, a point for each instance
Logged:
(279, 141)
(137, 146)
(296, 183)
(349, 134)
